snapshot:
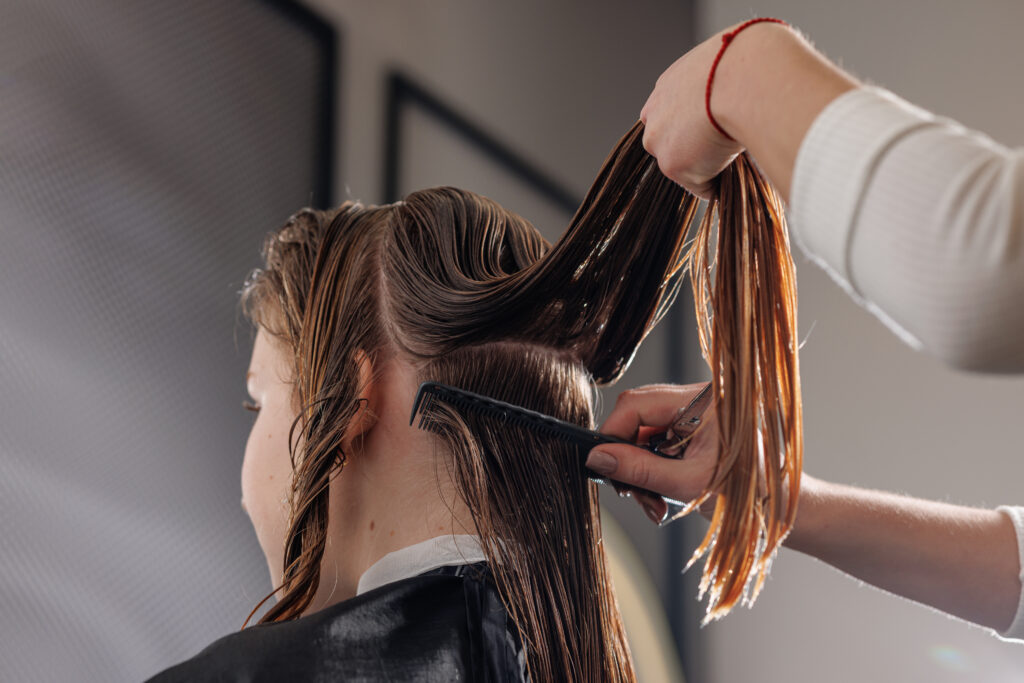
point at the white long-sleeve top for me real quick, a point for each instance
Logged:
(922, 221)
(1016, 630)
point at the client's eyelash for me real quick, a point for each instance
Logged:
(249, 405)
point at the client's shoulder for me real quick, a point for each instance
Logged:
(439, 625)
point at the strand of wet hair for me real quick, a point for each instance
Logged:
(614, 274)
(745, 299)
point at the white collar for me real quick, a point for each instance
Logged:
(440, 551)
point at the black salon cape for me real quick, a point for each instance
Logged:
(447, 624)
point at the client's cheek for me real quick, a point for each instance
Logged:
(266, 475)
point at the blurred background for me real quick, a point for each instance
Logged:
(145, 149)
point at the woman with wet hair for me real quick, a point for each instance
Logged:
(468, 552)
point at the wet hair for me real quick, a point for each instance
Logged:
(472, 294)
(746, 303)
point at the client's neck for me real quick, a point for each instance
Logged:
(394, 491)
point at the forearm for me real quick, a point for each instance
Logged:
(963, 561)
(915, 215)
(769, 87)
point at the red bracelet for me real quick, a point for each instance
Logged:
(726, 39)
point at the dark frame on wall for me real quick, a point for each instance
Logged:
(326, 36)
(404, 95)
(403, 92)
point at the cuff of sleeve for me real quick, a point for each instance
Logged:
(1016, 630)
(834, 165)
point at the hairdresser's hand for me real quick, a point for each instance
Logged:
(637, 415)
(769, 87)
(677, 131)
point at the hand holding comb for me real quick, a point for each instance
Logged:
(671, 444)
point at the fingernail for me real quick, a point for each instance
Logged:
(652, 514)
(601, 462)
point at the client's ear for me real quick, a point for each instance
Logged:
(366, 417)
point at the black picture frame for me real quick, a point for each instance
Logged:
(404, 93)
(327, 39)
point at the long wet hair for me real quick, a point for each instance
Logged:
(478, 299)
(746, 304)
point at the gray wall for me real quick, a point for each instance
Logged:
(876, 413)
(143, 156)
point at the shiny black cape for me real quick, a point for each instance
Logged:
(444, 625)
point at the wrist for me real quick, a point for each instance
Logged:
(739, 81)
(809, 522)
(769, 87)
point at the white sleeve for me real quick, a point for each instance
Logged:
(922, 221)
(1016, 629)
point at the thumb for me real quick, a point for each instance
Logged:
(640, 468)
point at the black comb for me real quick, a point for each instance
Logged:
(500, 412)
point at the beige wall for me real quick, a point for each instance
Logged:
(876, 413)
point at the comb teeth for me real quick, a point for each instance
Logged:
(468, 403)
(433, 394)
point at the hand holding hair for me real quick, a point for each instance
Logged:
(946, 278)
(768, 87)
